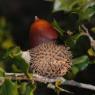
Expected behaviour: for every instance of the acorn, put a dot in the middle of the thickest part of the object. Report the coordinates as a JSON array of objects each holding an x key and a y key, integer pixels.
[
  {"x": 46, "y": 57},
  {"x": 41, "y": 31}
]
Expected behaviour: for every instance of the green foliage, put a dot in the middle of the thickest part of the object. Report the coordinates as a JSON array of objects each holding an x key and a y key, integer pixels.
[
  {"x": 22, "y": 88},
  {"x": 57, "y": 27},
  {"x": 30, "y": 89},
  {"x": 21, "y": 64},
  {"x": 27, "y": 89},
  {"x": 11, "y": 61},
  {"x": 9, "y": 51},
  {"x": 13, "y": 88},
  {"x": 72, "y": 41},
  {"x": 84, "y": 8},
  {"x": 9, "y": 88},
  {"x": 91, "y": 52},
  {"x": 2, "y": 72},
  {"x": 17, "y": 61},
  {"x": 79, "y": 64},
  {"x": 6, "y": 40}
]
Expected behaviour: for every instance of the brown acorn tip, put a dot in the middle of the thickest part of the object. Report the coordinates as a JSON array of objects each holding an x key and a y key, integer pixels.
[{"x": 50, "y": 60}]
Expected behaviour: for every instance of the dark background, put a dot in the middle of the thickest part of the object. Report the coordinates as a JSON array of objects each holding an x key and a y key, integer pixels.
[{"x": 21, "y": 13}]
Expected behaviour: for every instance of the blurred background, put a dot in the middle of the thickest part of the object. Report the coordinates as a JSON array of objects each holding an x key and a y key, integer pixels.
[{"x": 21, "y": 13}]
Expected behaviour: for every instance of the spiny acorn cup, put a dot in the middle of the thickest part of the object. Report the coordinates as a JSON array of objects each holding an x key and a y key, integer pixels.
[
  {"x": 50, "y": 60},
  {"x": 47, "y": 58}
]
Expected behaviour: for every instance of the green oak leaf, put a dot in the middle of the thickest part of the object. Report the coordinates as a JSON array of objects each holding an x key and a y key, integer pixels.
[
  {"x": 57, "y": 27},
  {"x": 84, "y": 8},
  {"x": 2, "y": 72},
  {"x": 9, "y": 88},
  {"x": 79, "y": 64},
  {"x": 30, "y": 89}
]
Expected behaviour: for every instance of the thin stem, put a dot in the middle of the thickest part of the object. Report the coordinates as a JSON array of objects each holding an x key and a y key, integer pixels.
[
  {"x": 86, "y": 32},
  {"x": 80, "y": 85}
]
